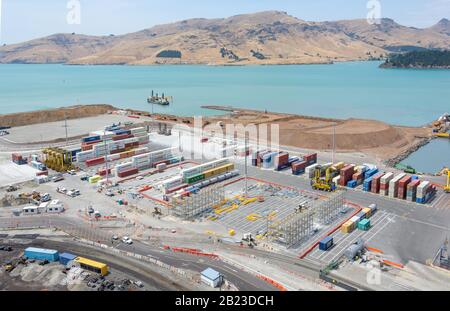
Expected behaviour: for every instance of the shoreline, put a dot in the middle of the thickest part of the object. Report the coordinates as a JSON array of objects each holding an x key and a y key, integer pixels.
[{"x": 388, "y": 143}]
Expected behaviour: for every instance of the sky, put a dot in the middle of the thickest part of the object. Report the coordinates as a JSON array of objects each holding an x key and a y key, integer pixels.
[{"x": 23, "y": 20}]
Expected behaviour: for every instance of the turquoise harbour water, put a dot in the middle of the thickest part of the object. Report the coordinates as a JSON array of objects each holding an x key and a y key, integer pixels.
[
  {"x": 432, "y": 157},
  {"x": 342, "y": 90}
]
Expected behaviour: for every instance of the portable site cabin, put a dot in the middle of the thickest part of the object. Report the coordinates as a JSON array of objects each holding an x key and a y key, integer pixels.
[{"x": 211, "y": 277}]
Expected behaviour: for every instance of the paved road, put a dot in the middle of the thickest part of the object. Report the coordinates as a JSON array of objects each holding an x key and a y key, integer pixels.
[{"x": 242, "y": 279}]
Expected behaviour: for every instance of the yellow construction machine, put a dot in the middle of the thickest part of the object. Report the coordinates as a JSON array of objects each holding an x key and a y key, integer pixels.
[
  {"x": 58, "y": 159},
  {"x": 447, "y": 187},
  {"x": 323, "y": 183}
]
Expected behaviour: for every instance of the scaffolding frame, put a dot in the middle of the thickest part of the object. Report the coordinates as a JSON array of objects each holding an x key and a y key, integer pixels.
[
  {"x": 197, "y": 204},
  {"x": 326, "y": 211},
  {"x": 293, "y": 228}
]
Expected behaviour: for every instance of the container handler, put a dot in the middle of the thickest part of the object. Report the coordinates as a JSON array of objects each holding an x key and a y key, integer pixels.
[{"x": 324, "y": 184}]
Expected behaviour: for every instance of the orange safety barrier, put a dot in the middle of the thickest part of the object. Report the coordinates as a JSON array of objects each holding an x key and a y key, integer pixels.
[
  {"x": 374, "y": 250},
  {"x": 394, "y": 264},
  {"x": 191, "y": 251},
  {"x": 272, "y": 282}
]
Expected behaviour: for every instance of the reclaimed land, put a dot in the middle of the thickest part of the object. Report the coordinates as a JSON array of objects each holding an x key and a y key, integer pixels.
[{"x": 385, "y": 142}]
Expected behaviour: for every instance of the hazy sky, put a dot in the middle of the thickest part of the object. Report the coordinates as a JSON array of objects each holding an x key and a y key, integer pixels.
[{"x": 26, "y": 19}]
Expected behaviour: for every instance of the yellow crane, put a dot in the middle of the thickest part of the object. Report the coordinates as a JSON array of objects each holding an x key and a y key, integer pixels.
[
  {"x": 447, "y": 187},
  {"x": 325, "y": 184}
]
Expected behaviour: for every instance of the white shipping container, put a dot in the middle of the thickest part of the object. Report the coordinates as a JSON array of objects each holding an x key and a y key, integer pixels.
[
  {"x": 387, "y": 178},
  {"x": 309, "y": 170},
  {"x": 422, "y": 189}
]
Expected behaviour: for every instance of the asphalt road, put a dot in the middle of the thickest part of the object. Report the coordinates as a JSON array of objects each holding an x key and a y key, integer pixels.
[{"x": 243, "y": 280}]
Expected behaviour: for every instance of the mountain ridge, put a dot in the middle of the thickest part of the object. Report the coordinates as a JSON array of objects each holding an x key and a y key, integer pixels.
[{"x": 270, "y": 37}]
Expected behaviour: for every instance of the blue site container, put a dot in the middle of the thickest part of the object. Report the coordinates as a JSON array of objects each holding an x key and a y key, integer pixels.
[
  {"x": 41, "y": 254},
  {"x": 65, "y": 258},
  {"x": 352, "y": 184},
  {"x": 414, "y": 177},
  {"x": 326, "y": 243}
]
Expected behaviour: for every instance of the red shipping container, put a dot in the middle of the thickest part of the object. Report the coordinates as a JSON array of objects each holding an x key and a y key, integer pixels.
[
  {"x": 86, "y": 148},
  {"x": 42, "y": 173},
  {"x": 96, "y": 161},
  {"x": 402, "y": 187},
  {"x": 131, "y": 171},
  {"x": 358, "y": 176},
  {"x": 102, "y": 172},
  {"x": 346, "y": 174},
  {"x": 16, "y": 157},
  {"x": 376, "y": 182},
  {"x": 310, "y": 158},
  {"x": 117, "y": 151}
]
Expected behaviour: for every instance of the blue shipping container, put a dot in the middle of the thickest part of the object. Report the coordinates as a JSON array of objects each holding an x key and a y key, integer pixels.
[
  {"x": 367, "y": 184},
  {"x": 90, "y": 138},
  {"x": 352, "y": 184},
  {"x": 41, "y": 254},
  {"x": 370, "y": 173},
  {"x": 65, "y": 258},
  {"x": 326, "y": 243}
]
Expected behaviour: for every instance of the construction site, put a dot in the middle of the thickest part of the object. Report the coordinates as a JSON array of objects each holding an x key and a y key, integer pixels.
[{"x": 140, "y": 184}]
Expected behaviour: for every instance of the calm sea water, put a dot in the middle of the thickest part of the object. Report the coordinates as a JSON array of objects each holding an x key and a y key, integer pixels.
[
  {"x": 432, "y": 157},
  {"x": 343, "y": 90},
  {"x": 358, "y": 89}
]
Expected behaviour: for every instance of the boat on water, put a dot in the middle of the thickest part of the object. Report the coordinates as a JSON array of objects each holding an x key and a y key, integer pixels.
[{"x": 159, "y": 100}]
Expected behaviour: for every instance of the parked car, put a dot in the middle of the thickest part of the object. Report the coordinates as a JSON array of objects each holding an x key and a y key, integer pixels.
[{"x": 127, "y": 240}]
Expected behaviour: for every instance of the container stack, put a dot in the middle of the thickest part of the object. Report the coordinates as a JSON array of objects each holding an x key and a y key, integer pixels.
[
  {"x": 423, "y": 191},
  {"x": 370, "y": 172},
  {"x": 298, "y": 167},
  {"x": 17, "y": 158},
  {"x": 269, "y": 160},
  {"x": 281, "y": 161},
  {"x": 393, "y": 185},
  {"x": 384, "y": 183},
  {"x": 358, "y": 177},
  {"x": 402, "y": 187},
  {"x": 411, "y": 192},
  {"x": 346, "y": 174},
  {"x": 310, "y": 159},
  {"x": 376, "y": 180},
  {"x": 367, "y": 186}
]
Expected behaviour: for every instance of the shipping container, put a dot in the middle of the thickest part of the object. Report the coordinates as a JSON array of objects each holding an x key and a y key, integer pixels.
[
  {"x": 368, "y": 212},
  {"x": 95, "y": 161},
  {"x": 41, "y": 254},
  {"x": 411, "y": 190},
  {"x": 364, "y": 225},
  {"x": 346, "y": 174},
  {"x": 370, "y": 173},
  {"x": 402, "y": 187},
  {"x": 352, "y": 183},
  {"x": 326, "y": 243},
  {"x": 309, "y": 170},
  {"x": 65, "y": 258},
  {"x": 310, "y": 158},
  {"x": 384, "y": 183},
  {"x": 128, "y": 172},
  {"x": 393, "y": 185},
  {"x": 367, "y": 186},
  {"x": 348, "y": 227},
  {"x": 376, "y": 179}
]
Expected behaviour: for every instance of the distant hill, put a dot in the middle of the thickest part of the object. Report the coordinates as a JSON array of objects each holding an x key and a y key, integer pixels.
[
  {"x": 262, "y": 38},
  {"x": 419, "y": 59}
]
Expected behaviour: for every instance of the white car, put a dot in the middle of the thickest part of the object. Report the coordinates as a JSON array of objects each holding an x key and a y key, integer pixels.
[{"x": 127, "y": 240}]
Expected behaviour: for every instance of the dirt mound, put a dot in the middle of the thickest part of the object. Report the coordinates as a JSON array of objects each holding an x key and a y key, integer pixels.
[{"x": 52, "y": 115}]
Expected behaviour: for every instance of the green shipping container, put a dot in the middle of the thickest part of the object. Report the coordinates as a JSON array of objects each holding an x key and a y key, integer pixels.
[
  {"x": 364, "y": 225},
  {"x": 195, "y": 178}
]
